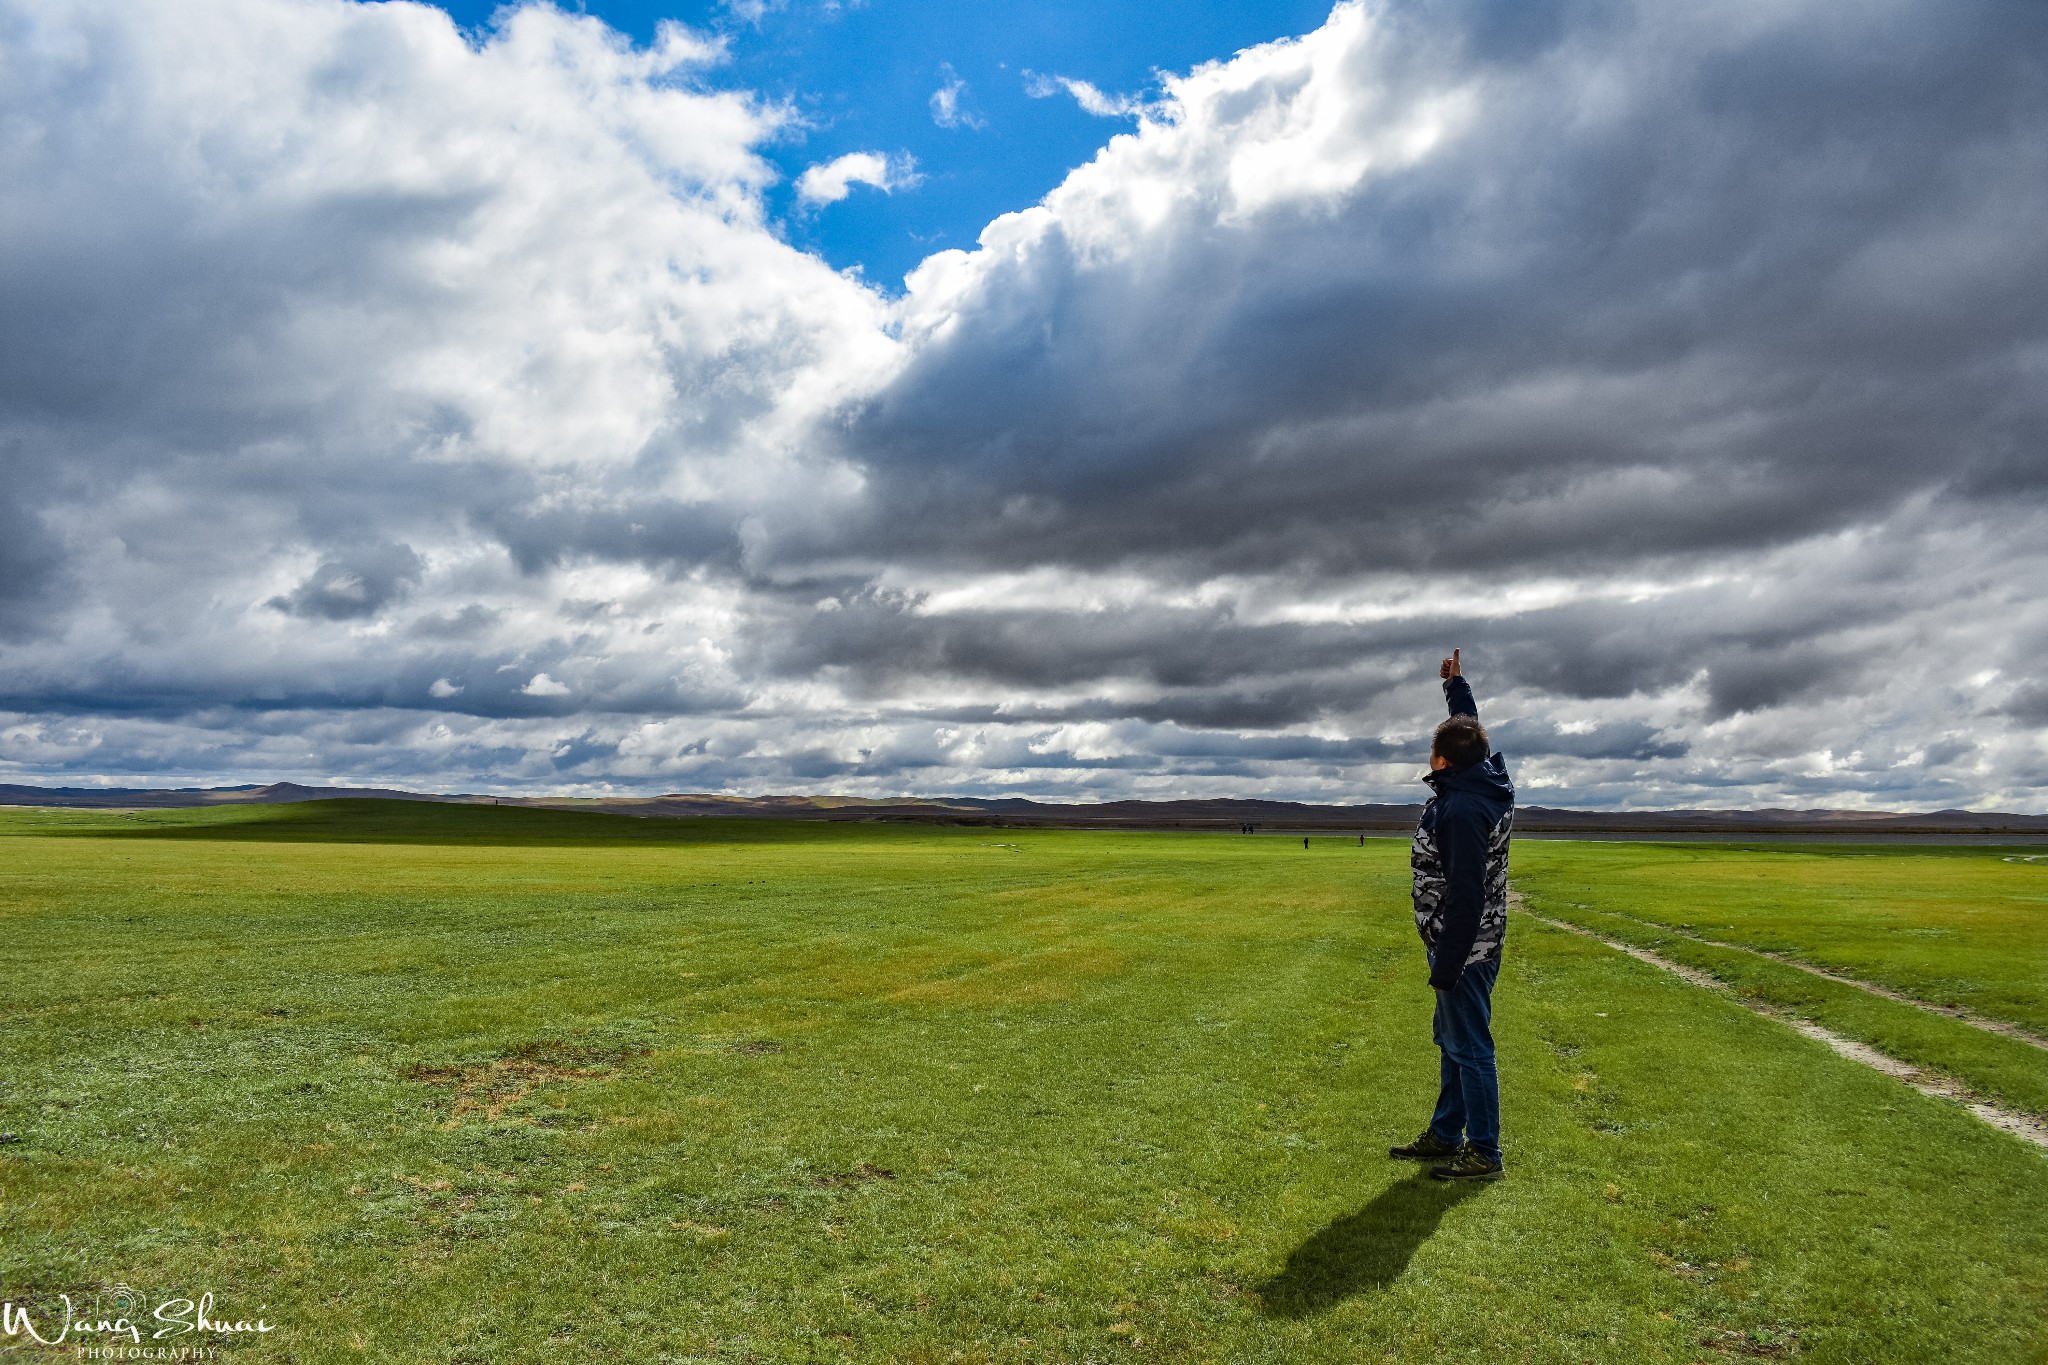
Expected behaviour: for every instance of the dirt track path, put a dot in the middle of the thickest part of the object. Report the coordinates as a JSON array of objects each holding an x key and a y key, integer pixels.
[{"x": 2027, "y": 1126}]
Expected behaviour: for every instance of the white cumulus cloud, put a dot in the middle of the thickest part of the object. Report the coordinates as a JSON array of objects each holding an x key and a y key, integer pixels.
[
  {"x": 1089, "y": 97},
  {"x": 828, "y": 182},
  {"x": 947, "y": 110}
]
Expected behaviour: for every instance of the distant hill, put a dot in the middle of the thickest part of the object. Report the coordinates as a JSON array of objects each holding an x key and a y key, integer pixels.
[
  {"x": 1206, "y": 814},
  {"x": 151, "y": 798}
]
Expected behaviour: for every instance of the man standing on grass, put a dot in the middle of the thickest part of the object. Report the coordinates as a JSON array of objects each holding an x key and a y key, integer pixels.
[{"x": 1461, "y": 907}]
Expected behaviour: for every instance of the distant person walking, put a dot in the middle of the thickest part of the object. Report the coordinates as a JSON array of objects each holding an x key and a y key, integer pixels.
[{"x": 1460, "y": 859}]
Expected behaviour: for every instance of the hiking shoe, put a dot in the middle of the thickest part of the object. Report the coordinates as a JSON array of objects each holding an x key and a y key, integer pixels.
[
  {"x": 1468, "y": 1165},
  {"x": 1424, "y": 1148}
]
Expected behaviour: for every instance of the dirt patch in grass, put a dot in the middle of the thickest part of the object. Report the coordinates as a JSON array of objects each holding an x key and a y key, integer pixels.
[
  {"x": 1757, "y": 1343},
  {"x": 491, "y": 1087}
]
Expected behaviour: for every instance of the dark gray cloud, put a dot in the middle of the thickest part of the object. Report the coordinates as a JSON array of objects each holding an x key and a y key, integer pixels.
[
  {"x": 1630, "y": 741},
  {"x": 465, "y": 623},
  {"x": 649, "y": 530},
  {"x": 884, "y": 640},
  {"x": 1702, "y": 280},
  {"x": 31, "y": 564},
  {"x": 378, "y": 406},
  {"x": 360, "y": 584},
  {"x": 2028, "y": 705}
]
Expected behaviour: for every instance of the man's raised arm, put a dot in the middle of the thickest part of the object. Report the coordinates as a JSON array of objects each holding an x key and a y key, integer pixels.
[{"x": 1457, "y": 692}]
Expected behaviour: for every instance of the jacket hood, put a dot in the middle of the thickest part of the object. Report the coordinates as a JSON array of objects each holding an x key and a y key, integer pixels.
[{"x": 1488, "y": 778}]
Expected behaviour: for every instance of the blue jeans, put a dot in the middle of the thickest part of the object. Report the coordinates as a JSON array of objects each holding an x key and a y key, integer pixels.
[{"x": 1468, "y": 1103}]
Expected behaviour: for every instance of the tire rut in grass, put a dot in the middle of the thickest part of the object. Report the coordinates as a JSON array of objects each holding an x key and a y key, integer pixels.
[
  {"x": 1959, "y": 1013},
  {"x": 2026, "y": 1126}
]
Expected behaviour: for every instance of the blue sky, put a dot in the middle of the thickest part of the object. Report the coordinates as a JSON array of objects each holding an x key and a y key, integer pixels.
[{"x": 863, "y": 75}]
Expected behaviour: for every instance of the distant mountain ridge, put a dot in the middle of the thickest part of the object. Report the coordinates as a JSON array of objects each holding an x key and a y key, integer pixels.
[
  {"x": 1215, "y": 813},
  {"x": 157, "y": 798}
]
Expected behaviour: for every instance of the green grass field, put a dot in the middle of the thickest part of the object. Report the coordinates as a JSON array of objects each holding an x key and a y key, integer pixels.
[{"x": 469, "y": 1084}]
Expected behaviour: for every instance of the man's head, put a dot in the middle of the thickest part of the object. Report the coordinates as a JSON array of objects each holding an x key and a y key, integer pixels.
[{"x": 1460, "y": 742}]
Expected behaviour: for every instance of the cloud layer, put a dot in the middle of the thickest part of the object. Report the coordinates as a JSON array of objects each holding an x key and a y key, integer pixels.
[{"x": 374, "y": 405}]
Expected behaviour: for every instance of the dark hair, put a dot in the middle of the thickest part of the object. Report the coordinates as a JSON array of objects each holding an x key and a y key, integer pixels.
[{"x": 1462, "y": 741}]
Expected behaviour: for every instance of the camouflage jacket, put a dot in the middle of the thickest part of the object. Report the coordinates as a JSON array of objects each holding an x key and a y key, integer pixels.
[{"x": 1460, "y": 859}]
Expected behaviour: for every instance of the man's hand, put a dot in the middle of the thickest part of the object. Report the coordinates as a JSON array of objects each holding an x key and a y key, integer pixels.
[{"x": 1450, "y": 667}]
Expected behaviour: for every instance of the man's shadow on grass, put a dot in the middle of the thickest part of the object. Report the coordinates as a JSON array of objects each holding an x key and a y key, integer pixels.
[{"x": 1364, "y": 1250}]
